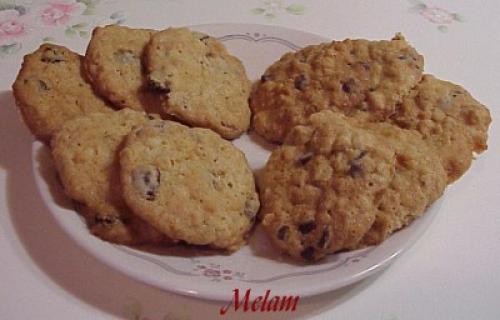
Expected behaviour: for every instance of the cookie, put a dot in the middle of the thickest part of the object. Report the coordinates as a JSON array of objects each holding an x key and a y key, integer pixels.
[
  {"x": 419, "y": 181},
  {"x": 113, "y": 63},
  {"x": 50, "y": 89},
  {"x": 355, "y": 77},
  {"x": 190, "y": 184},
  {"x": 202, "y": 84},
  {"x": 319, "y": 189},
  {"x": 449, "y": 119},
  {"x": 85, "y": 153}
]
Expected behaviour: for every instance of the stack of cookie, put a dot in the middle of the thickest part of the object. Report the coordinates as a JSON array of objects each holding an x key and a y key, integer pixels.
[
  {"x": 369, "y": 143},
  {"x": 116, "y": 121},
  {"x": 138, "y": 131}
]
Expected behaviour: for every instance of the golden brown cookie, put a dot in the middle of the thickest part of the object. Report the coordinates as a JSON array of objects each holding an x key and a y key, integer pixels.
[
  {"x": 355, "y": 77},
  {"x": 85, "y": 153},
  {"x": 319, "y": 189},
  {"x": 449, "y": 119},
  {"x": 189, "y": 183},
  {"x": 50, "y": 89},
  {"x": 113, "y": 62},
  {"x": 419, "y": 180},
  {"x": 202, "y": 84}
]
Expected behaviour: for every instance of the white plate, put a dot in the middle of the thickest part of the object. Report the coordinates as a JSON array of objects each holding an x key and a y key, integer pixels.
[{"x": 257, "y": 266}]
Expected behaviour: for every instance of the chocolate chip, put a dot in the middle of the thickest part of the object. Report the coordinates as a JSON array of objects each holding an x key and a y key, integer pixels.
[
  {"x": 356, "y": 170},
  {"x": 365, "y": 65},
  {"x": 304, "y": 159},
  {"x": 348, "y": 86},
  {"x": 403, "y": 57},
  {"x": 265, "y": 78},
  {"x": 42, "y": 85},
  {"x": 325, "y": 238},
  {"x": 308, "y": 253},
  {"x": 307, "y": 227},
  {"x": 159, "y": 87},
  {"x": 204, "y": 38},
  {"x": 301, "y": 82},
  {"x": 146, "y": 181},
  {"x": 283, "y": 232},
  {"x": 361, "y": 155}
]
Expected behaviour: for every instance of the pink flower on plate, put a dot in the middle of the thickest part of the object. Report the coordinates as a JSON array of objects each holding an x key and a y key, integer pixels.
[
  {"x": 11, "y": 26},
  {"x": 437, "y": 15},
  {"x": 59, "y": 12}
]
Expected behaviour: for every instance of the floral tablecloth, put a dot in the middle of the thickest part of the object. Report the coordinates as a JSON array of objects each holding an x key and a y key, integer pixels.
[{"x": 451, "y": 273}]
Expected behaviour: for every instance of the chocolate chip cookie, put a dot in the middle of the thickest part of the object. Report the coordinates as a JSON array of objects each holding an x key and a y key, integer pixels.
[
  {"x": 355, "y": 77},
  {"x": 189, "y": 183},
  {"x": 50, "y": 89},
  {"x": 319, "y": 190},
  {"x": 85, "y": 153},
  {"x": 200, "y": 82}
]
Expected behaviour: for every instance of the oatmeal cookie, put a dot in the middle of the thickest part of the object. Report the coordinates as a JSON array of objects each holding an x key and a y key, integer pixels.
[
  {"x": 189, "y": 183},
  {"x": 85, "y": 153},
  {"x": 319, "y": 190},
  {"x": 202, "y": 84},
  {"x": 449, "y": 119},
  {"x": 50, "y": 89},
  {"x": 419, "y": 181},
  {"x": 113, "y": 62},
  {"x": 355, "y": 77}
]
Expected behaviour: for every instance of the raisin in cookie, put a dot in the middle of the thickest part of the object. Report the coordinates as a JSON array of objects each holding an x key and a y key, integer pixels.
[
  {"x": 449, "y": 119},
  {"x": 355, "y": 77},
  {"x": 419, "y": 180},
  {"x": 319, "y": 190},
  {"x": 189, "y": 183},
  {"x": 50, "y": 89},
  {"x": 202, "y": 84},
  {"x": 85, "y": 153},
  {"x": 113, "y": 63}
]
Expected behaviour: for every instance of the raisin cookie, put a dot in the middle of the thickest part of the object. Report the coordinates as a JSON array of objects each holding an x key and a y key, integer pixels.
[
  {"x": 113, "y": 62},
  {"x": 355, "y": 77},
  {"x": 449, "y": 119},
  {"x": 50, "y": 89},
  {"x": 85, "y": 153},
  {"x": 419, "y": 181},
  {"x": 202, "y": 84},
  {"x": 319, "y": 189},
  {"x": 189, "y": 183}
]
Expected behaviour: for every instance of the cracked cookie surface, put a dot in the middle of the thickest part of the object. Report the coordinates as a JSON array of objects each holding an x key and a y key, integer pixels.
[
  {"x": 113, "y": 62},
  {"x": 50, "y": 89},
  {"x": 189, "y": 183},
  {"x": 200, "y": 82},
  {"x": 355, "y": 77},
  {"x": 85, "y": 153}
]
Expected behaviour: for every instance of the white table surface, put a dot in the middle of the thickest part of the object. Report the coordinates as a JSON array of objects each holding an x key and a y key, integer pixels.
[{"x": 452, "y": 272}]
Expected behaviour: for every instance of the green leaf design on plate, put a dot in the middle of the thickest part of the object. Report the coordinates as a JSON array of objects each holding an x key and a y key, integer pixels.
[
  {"x": 10, "y": 48},
  {"x": 458, "y": 17},
  {"x": 269, "y": 15},
  {"x": 84, "y": 34},
  {"x": 118, "y": 15},
  {"x": 70, "y": 32},
  {"x": 258, "y": 10},
  {"x": 443, "y": 28},
  {"x": 120, "y": 21},
  {"x": 296, "y": 9},
  {"x": 80, "y": 26},
  {"x": 48, "y": 39}
]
